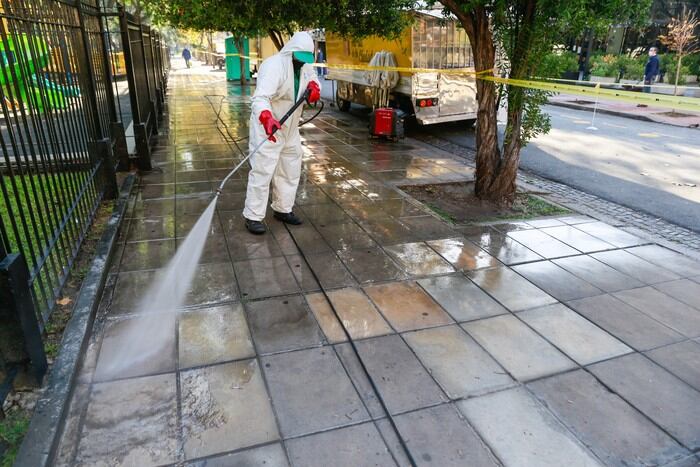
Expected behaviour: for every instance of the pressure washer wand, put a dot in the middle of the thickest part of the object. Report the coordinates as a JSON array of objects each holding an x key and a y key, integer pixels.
[{"x": 286, "y": 116}]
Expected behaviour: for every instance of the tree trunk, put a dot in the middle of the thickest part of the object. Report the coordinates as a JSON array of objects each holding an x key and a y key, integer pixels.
[
  {"x": 276, "y": 38},
  {"x": 678, "y": 72}
]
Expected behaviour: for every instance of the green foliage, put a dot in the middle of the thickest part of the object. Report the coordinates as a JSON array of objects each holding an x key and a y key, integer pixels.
[
  {"x": 604, "y": 66},
  {"x": 693, "y": 63},
  {"x": 355, "y": 18},
  {"x": 12, "y": 430},
  {"x": 555, "y": 64},
  {"x": 631, "y": 68}
]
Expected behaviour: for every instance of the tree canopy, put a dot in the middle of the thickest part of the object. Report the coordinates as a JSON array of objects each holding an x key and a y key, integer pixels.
[{"x": 355, "y": 18}]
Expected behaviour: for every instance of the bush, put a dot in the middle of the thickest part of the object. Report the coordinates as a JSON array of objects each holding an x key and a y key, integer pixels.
[
  {"x": 631, "y": 68},
  {"x": 693, "y": 63},
  {"x": 555, "y": 64},
  {"x": 604, "y": 65},
  {"x": 670, "y": 76}
]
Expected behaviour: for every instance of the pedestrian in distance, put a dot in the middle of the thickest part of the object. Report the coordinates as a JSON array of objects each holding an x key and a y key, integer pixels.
[
  {"x": 187, "y": 55},
  {"x": 282, "y": 80},
  {"x": 651, "y": 70}
]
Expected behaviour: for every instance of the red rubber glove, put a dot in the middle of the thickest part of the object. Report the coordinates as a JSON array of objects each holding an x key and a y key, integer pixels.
[
  {"x": 270, "y": 124},
  {"x": 315, "y": 93}
]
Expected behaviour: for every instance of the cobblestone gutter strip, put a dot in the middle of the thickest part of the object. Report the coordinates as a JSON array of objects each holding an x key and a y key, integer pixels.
[
  {"x": 39, "y": 443},
  {"x": 656, "y": 229}
]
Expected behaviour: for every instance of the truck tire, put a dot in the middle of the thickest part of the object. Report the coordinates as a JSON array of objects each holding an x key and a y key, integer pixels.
[{"x": 342, "y": 104}]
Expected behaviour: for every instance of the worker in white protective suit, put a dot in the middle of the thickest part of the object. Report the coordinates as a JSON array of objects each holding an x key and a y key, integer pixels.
[{"x": 282, "y": 80}]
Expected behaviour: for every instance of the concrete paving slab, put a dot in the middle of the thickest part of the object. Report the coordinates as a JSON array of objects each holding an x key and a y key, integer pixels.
[
  {"x": 309, "y": 240},
  {"x": 213, "y": 283},
  {"x": 578, "y": 239},
  {"x": 346, "y": 236},
  {"x": 511, "y": 289},
  {"x": 440, "y": 436},
  {"x": 507, "y": 250},
  {"x": 401, "y": 379},
  {"x": 428, "y": 228},
  {"x": 267, "y": 277},
  {"x": 547, "y": 222},
  {"x": 517, "y": 348},
  {"x": 556, "y": 281},
  {"x": 213, "y": 335},
  {"x": 358, "y": 314},
  {"x": 359, "y": 380},
  {"x": 616, "y": 432},
  {"x": 406, "y": 306},
  {"x": 216, "y": 249},
  {"x": 521, "y": 432},
  {"x": 463, "y": 300},
  {"x": 597, "y": 273},
  {"x": 668, "y": 259},
  {"x": 457, "y": 363},
  {"x": 330, "y": 270},
  {"x": 681, "y": 359},
  {"x": 628, "y": 324},
  {"x": 345, "y": 447},
  {"x": 129, "y": 290},
  {"x": 542, "y": 244},
  {"x": 371, "y": 265},
  {"x": 147, "y": 255},
  {"x": 118, "y": 334},
  {"x": 243, "y": 246},
  {"x": 636, "y": 267},
  {"x": 389, "y": 231},
  {"x": 391, "y": 439},
  {"x": 151, "y": 228},
  {"x": 311, "y": 392},
  {"x": 215, "y": 399},
  {"x": 463, "y": 254},
  {"x": 581, "y": 340},
  {"x": 325, "y": 214},
  {"x": 417, "y": 259},
  {"x": 669, "y": 311},
  {"x": 302, "y": 273},
  {"x": 684, "y": 290},
  {"x": 131, "y": 422},
  {"x": 279, "y": 324},
  {"x": 330, "y": 325},
  {"x": 272, "y": 455},
  {"x": 662, "y": 397}
]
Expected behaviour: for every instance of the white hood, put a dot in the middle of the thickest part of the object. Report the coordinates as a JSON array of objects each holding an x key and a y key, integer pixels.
[{"x": 300, "y": 42}]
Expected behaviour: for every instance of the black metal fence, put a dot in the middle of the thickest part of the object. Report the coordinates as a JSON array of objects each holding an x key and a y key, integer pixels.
[
  {"x": 147, "y": 63},
  {"x": 60, "y": 139}
]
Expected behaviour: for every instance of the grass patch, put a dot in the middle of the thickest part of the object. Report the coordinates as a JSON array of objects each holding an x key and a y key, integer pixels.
[
  {"x": 456, "y": 203},
  {"x": 527, "y": 206},
  {"x": 12, "y": 430}
]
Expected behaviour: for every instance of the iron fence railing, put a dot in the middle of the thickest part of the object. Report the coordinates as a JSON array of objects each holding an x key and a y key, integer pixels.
[
  {"x": 61, "y": 134},
  {"x": 147, "y": 64}
]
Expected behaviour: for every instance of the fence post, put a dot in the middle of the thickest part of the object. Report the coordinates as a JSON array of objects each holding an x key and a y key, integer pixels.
[
  {"x": 99, "y": 135},
  {"x": 151, "y": 99},
  {"x": 116, "y": 128},
  {"x": 21, "y": 341},
  {"x": 140, "y": 132}
]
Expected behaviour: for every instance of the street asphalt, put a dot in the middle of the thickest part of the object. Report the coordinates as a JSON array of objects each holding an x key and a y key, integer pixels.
[{"x": 645, "y": 166}]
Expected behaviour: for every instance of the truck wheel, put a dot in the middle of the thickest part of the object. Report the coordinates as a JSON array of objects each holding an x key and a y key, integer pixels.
[{"x": 342, "y": 104}]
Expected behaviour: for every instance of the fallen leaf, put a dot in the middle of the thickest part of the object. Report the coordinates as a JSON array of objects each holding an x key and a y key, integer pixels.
[{"x": 64, "y": 301}]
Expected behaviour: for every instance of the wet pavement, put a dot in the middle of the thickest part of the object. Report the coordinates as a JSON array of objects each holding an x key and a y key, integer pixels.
[{"x": 550, "y": 342}]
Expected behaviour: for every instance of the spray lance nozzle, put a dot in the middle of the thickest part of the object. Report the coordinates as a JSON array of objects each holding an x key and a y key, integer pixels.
[{"x": 304, "y": 98}]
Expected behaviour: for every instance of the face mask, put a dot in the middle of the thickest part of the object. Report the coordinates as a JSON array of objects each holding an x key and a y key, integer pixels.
[{"x": 303, "y": 57}]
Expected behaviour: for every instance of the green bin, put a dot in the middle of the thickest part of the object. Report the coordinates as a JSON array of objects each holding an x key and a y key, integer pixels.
[{"x": 233, "y": 63}]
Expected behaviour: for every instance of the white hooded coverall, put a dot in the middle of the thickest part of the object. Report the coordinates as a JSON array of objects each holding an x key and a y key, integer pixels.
[{"x": 277, "y": 162}]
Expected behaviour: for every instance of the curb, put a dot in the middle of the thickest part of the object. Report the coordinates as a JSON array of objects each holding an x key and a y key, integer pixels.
[
  {"x": 644, "y": 118},
  {"x": 45, "y": 429}
]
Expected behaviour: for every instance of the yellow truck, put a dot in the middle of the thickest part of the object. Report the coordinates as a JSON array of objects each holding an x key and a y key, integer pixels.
[{"x": 432, "y": 42}]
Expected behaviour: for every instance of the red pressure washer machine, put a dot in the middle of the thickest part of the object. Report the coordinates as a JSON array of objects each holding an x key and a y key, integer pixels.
[{"x": 387, "y": 122}]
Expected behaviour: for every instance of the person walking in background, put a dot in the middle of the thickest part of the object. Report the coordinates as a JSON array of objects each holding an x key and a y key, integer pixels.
[
  {"x": 187, "y": 55},
  {"x": 651, "y": 70}
]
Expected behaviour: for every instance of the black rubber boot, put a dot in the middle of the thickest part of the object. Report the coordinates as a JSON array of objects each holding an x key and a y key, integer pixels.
[
  {"x": 287, "y": 218},
  {"x": 255, "y": 227}
]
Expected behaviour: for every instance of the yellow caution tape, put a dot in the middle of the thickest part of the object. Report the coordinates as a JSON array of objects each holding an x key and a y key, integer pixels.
[
  {"x": 553, "y": 85},
  {"x": 657, "y": 100}
]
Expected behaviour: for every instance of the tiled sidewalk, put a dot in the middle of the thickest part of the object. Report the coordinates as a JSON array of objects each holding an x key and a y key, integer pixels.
[{"x": 547, "y": 343}]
